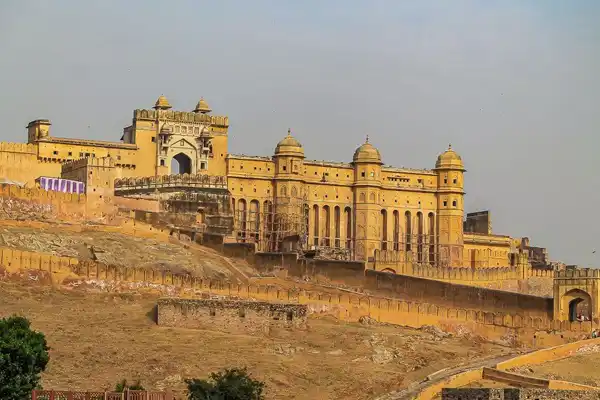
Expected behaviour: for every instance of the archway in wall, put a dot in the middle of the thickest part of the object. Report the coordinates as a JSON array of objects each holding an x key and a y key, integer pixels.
[
  {"x": 181, "y": 164},
  {"x": 388, "y": 270},
  {"x": 576, "y": 303}
]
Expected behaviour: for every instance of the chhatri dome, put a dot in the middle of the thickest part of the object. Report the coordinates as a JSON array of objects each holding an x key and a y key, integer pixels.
[
  {"x": 449, "y": 159},
  {"x": 202, "y": 107},
  {"x": 367, "y": 153},
  {"x": 162, "y": 103},
  {"x": 289, "y": 146}
]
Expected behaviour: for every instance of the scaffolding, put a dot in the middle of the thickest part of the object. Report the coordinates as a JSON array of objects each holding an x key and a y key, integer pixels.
[{"x": 279, "y": 226}]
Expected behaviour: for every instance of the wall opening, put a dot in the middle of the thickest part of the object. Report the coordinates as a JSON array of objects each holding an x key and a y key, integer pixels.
[
  {"x": 181, "y": 164},
  {"x": 576, "y": 306}
]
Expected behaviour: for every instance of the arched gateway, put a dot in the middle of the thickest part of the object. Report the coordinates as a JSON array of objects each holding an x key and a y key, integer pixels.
[{"x": 576, "y": 294}]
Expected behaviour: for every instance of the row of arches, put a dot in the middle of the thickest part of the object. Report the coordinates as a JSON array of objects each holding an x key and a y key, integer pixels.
[{"x": 334, "y": 226}]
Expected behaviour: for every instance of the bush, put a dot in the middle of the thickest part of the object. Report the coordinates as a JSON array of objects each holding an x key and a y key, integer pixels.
[
  {"x": 123, "y": 385},
  {"x": 230, "y": 384},
  {"x": 23, "y": 357}
]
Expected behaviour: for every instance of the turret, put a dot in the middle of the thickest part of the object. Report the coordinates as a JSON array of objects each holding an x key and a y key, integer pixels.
[
  {"x": 367, "y": 186},
  {"x": 288, "y": 157},
  {"x": 38, "y": 129},
  {"x": 450, "y": 170}
]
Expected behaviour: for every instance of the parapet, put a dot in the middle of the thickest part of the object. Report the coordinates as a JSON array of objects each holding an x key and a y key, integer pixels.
[
  {"x": 9, "y": 147},
  {"x": 516, "y": 394},
  {"x": 578, "y": 273},
  {"x": 198, "y": 180},
  {"x": 182, "y": 116},
  {"x": 101, "y": 162}
]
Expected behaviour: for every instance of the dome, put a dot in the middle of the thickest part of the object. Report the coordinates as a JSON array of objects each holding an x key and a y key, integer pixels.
[
  {"x": 289, "y": 146},
  {"x": 202, "y": 107},
  {"x": 449, "y": 160},
  {"x": 367, "y": 153},
  {"x": 162, "y": 103}
]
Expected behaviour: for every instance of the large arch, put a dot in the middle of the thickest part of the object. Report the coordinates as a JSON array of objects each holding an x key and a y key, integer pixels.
[
  {"x": 575, "y": 303},
  {"x": 181, "y": 163}
]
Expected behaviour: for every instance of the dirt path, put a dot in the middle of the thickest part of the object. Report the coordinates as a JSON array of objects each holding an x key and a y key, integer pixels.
[{"x": 414, "y": 389}]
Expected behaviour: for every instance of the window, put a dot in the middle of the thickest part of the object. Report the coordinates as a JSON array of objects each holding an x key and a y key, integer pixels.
[
  {"x": 362, "y": 174},
  {"x": 445, "y": 203},
  {"x": 454, "y": 203},
  {"x": 445, "y": 180},
  {"x": 285, "y": 168},
  {"x": 162, "y": 163},
  {"x": 55, "y": 152},
  {"x": 202, "y": 165},
  {"x": 70, "y": 153},
  {"x": 454, "y": 181},
  {"x": 81, "y": 155},
  {"x": 87, "y": 154},
  {"x": 118, "y": 157}
]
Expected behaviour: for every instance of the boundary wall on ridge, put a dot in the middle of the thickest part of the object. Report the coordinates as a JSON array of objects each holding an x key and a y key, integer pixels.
[
  {"x": 346, "y": 306},
  {"x": 33, "y": 203}
]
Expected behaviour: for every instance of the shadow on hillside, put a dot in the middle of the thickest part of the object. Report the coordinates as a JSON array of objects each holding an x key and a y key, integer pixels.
[{"x": 153, "y": 314}]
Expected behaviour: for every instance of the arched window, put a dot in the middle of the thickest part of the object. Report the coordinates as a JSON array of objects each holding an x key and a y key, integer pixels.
[
  {"x": 316, "y": 225},
  {"x": 348, "y": 215},
  {"x": 408, "y": 230},
  {"x": 383, "y": 229},
  {"x": 336, "y": 224},
  {"x": 396, "y": 230},
  {"x": 327, "y": 222},
  {"x": 420, "y": 237},
  {"x": 431, "y": 239}
]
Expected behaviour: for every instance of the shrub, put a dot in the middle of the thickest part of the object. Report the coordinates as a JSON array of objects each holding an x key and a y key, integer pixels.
[
  {"x": 23, "y": 357},
  {"x": 123, "y": 385},
  {"x": 229, "y": 384}
]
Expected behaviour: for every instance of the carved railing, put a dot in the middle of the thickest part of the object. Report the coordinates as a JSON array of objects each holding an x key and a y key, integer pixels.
[{"x": 171, "y": 181}]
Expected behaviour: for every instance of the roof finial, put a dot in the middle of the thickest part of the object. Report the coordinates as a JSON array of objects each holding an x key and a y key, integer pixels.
[
  {"x": 289, "y": 132},
  {"x": 367, "y": 140},
  {"x": 449, "y": 146}
]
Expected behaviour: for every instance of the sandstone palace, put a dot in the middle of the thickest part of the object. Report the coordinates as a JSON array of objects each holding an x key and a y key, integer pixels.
[{"x": 391, "y": 218}]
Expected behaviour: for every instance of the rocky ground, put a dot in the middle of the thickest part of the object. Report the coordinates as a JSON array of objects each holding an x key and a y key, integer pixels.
[
  {"x": 117, "y": 249},
  {"x": 97, "y": 339}
]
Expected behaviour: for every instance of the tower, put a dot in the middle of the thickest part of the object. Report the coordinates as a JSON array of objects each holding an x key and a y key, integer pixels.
[
  {"x": 288, "y": 208},
  {"x": 367, "y": 187},
  {"x": 450, "y": 204},
  {"x": 38, "y": 129}
]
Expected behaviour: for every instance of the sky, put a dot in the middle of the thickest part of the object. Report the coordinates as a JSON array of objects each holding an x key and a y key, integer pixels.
[{"x": 514, "y": 85}]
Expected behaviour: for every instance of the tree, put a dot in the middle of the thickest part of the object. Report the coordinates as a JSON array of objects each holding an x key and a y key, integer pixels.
[
  {"x": 229, "y": 384},
  {"x": 23, "y": 357},
  {"x": 123, "y": 385}
]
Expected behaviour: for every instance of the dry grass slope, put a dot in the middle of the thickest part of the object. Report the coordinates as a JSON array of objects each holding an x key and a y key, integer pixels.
[{"x": 98, "y": 338}]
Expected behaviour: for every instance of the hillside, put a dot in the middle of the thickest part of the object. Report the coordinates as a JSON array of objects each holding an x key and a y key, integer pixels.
[
  {"x": 120, "y": 249},
  {"x": 97, "y": 339}
]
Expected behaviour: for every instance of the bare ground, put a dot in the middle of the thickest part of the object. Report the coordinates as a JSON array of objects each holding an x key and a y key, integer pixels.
[{"x": 97, "y": 339}]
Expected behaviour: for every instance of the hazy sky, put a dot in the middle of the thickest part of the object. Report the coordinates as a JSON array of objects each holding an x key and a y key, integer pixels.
[{"x": 513, "y": 85}]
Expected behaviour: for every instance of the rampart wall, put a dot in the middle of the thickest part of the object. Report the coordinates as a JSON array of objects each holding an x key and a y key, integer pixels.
[
  {"x": 227, "y": 315},
  {"x": 19, "y": 162},
  {"x": 517, "y": 394},
  {"x": 34, "y": 203},
  {"x": 345, "y": 306}
]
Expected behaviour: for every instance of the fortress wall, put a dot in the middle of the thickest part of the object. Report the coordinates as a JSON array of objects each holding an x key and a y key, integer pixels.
[
  {"x": 34, "y": 203},
  {"x": 143, "y": 205},
  {"x": 228, "y": 315},
  {"x": 460, "y": 296},
  {"x": 19, "y": 162},
  {"x": 530, "y": 329}
]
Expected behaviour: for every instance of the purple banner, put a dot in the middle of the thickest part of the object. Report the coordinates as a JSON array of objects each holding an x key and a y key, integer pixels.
[{"x": 61, "y": 185}]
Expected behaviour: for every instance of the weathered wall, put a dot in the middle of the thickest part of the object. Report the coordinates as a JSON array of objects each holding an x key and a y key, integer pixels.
[
  {"x": 227, "y": 315},
  {"x": 537, "y": 331},
  {"x": 19, "y": 162},
  {"x": 516, "y": 394},
  {"x": 142, "y": 205},
  {"x": 25, "y": 203},
  {"x": 457, "y": 296}
]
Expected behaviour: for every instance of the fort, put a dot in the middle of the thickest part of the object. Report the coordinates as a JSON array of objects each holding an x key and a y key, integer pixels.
[{"x": 348, "y": 240}]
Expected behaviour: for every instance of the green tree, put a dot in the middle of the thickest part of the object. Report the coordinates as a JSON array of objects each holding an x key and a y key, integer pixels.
[
  {"x": 230, "y": 384},
  {"x": 123, "y": 385},
  {"x": 23, "y": 357}
]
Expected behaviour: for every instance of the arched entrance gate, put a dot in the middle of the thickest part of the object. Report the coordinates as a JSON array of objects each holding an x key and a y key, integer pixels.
[{"x": 576, "y": 295}]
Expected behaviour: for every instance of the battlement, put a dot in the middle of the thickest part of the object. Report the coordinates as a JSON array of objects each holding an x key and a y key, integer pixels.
[
  {"x": 89, "y": 142},
  {"x": 334, "y": 164},
  {"x": 165, "y": 181},
  {"x": 182, "y": 116},
  {"x": 18, "y": 148},
  {"x": 245, "y": 157},
  {"x": 390, "y": 168},
  {"x": 578, "y": 273},
  {"x": 103, "y": 162}
]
